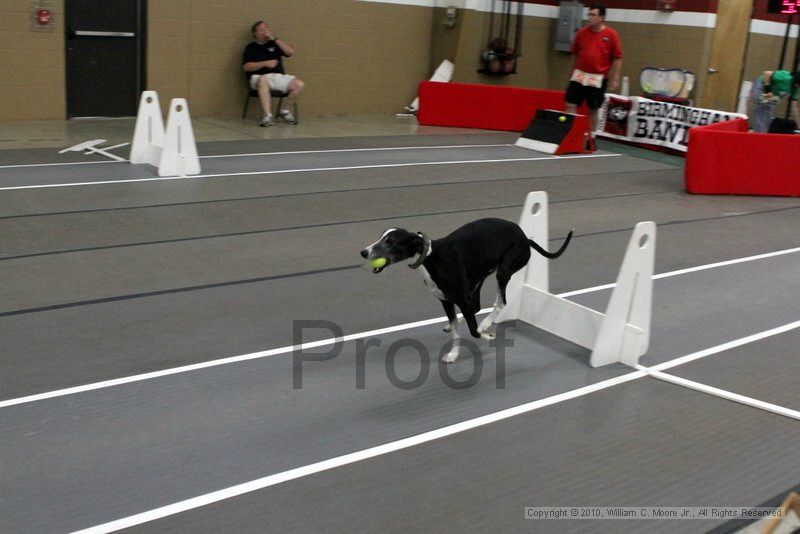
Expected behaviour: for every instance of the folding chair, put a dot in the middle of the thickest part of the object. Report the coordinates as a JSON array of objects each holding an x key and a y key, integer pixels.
[{"x": 273, "y": 93}]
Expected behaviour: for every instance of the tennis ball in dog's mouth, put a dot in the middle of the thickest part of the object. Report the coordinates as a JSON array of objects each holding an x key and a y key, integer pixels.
[
  {"x": 562, "y": 118},
  {"x": 377, "y": 263}
]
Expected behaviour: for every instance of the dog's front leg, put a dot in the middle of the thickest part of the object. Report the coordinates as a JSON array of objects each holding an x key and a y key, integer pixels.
[
  {"x": 450, "y": 310},
  {"x": 472, "y": 323}
]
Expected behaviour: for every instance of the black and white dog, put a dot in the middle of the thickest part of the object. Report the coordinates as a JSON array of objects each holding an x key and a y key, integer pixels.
[{"x": 455, "y": 267}]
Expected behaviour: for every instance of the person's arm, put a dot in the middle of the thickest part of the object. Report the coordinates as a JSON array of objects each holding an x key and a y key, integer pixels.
[
  {"x": 615, "y": 72},
  {"x": 574, "y": 49},
  {"x": 796, "y": 112},
  {"x": 252, "y": 66},
  {"x": 614, "y": 75},
  {"x": 288, "y": 49},
  {"x": 767, "y": 81}
]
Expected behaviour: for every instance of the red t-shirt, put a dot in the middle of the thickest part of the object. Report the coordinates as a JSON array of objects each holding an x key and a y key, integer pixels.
[{"x": 596, "y": 50}]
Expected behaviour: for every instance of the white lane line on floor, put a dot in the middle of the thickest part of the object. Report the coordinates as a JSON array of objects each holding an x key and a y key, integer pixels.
[
  {"x": 290, "y": 171},
  {"x": 727, "y": 346},
  {"x": 722, "y": 393},
  {"x": 372, "y": 149},
  {"x": 358, "y": 456},
  {"x": 215, "y": 363},
  {"x": 373, "y": 333},
  {"x": 288, "y": 152},
  {"x": 333, "y": 463},
  {"x": 689, "y": 270},
  {"x": 28, "y": 165}
]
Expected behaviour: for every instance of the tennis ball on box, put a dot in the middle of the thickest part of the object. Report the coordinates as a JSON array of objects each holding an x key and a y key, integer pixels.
[{"x": 377, "y": 263}]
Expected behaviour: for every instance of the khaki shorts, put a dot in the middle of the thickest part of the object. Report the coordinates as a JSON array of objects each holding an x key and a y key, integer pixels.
[{"x": 279, "y": 82}]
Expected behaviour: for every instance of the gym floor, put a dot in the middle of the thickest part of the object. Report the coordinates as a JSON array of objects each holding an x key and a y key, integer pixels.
[{"x": 148, "y": 382}]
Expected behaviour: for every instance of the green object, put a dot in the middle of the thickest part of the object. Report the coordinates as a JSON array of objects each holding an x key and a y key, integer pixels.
[
  {"x": 377, "y": 263},
  {"x": 562, "y": 118},
  {"x": 781, "y": 84}
]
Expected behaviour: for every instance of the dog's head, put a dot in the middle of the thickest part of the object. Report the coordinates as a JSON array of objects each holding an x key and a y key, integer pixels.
[{"x": 394, "y": 245}]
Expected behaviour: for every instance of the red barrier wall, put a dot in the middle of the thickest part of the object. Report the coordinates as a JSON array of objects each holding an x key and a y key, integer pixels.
[
  {"x": 724, "y": 159},
  {"x": 490, "y": 107}
]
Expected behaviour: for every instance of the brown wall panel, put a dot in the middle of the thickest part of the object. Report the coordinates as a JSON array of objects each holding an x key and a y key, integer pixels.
[{"x": 356, "y": 57}]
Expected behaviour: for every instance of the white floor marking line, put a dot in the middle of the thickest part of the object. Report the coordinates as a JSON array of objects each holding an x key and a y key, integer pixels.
[
  {"x": 727, "y": 346},
  {"x": 689, "y": 270},
  {"x": 325, "y": 465},
  {"x": 290, "y": 171},
  {"x": 278, "y": 478},
  {"x": 56, "y": 164},
  {"x": 398, "y": 328},
  {"x": 358, "y": 456},
  {"x": 215, "y": 363},
  {"x": 372, "y": 149},
  {"x": 722, "y": 393},
  {"x": 266, "y": 153}
]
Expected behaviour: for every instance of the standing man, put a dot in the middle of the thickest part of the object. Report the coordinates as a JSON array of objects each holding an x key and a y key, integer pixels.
[
  {"x": 263, "y": 67},
  {"x": 766, "y": 94},
  {"x": 597, "y": 52}
]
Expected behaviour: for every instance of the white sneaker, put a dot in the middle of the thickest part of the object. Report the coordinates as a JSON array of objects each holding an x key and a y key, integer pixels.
[
  {"x": 266, "y": 120},
  {"x": 288, "y": 116}
]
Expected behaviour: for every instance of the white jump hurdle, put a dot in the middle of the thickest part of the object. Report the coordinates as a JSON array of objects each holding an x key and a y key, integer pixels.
[
  {"x": 173, "y": 150},
  {"x": 622, "y": 334}
]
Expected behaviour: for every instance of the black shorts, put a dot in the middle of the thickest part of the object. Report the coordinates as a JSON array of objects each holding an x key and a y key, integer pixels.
[{"x": 594, "y": 96}]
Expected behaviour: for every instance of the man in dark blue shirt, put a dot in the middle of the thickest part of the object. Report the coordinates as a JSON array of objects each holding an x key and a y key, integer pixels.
[{"x": 261, "y": 61}]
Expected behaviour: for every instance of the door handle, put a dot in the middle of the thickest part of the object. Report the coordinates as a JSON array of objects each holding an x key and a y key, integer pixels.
[
  {"x": 712, "y": 70},
  {"x": 83, "y": 33}
]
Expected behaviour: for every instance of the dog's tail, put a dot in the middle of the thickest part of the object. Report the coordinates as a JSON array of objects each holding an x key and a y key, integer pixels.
[{"x": 555, "y": 254}]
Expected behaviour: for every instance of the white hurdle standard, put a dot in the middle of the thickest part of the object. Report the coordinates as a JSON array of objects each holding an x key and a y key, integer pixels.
[
  {"x": 173, "y": 150},
  {"x": 622, "y": 334}
]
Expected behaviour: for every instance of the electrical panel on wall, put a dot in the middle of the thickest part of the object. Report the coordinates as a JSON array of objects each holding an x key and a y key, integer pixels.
[{"x": 570, "y": 17}]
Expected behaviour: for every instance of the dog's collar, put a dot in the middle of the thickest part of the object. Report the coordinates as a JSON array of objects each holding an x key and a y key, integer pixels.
[{"x": 426, "y": 251}]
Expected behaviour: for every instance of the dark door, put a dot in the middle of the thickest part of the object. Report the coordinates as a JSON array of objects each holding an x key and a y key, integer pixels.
[{"x": 105, "y": 57}]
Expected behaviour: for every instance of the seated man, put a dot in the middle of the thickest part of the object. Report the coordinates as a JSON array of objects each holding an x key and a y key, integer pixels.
[{"x": 264, "y": 71}]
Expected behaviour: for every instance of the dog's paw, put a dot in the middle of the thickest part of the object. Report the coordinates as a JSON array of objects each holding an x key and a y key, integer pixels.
[
  {"x": 475, "y": 334},
  {"x": 450, "y": 357},
  {"x": 447, "y": 329},
  {"x": 488, "y": 335}
]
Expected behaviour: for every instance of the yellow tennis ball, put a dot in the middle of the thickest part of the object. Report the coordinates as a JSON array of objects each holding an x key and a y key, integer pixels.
[
  {"x": 377, "y": 263},
  {"x": 562, "y": 118}
]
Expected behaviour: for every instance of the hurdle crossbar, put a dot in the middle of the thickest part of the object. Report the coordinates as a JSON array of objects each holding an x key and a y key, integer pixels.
[{"x": 622, "y": 333}]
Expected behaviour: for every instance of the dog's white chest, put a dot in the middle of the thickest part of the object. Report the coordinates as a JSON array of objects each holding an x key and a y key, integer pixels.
[{"x": 430, "y": 284}]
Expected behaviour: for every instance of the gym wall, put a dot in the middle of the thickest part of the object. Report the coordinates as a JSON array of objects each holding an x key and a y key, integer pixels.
[
  {"x": 357, "y": 57},
  {"x": 32, "y": 76}
]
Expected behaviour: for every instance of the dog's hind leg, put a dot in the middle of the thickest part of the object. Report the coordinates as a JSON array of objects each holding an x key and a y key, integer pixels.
[
  {"x": 450, "y": 310},
  {"x": 510, "y": 264},
  {"x": 486, "y": 324}
]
